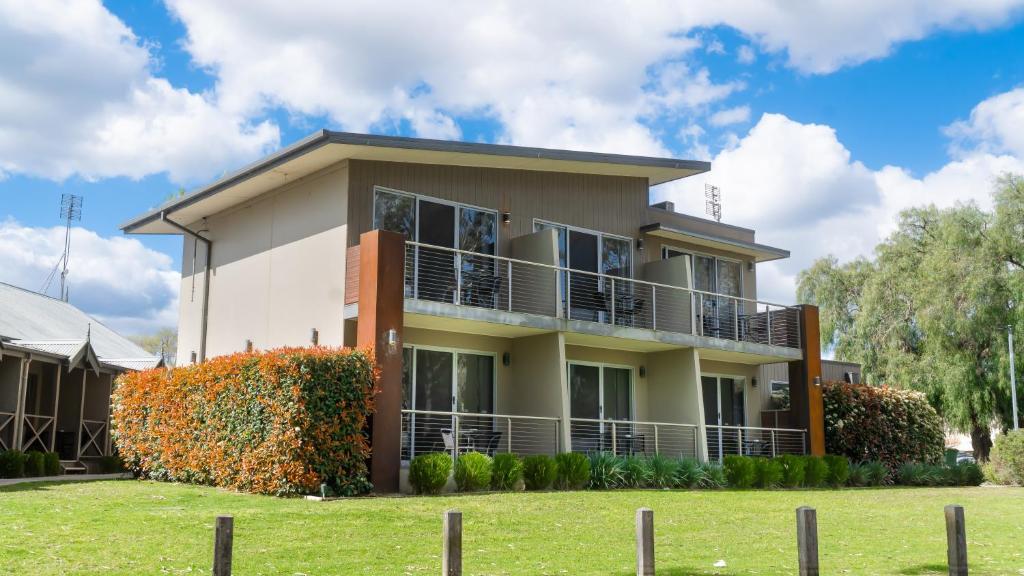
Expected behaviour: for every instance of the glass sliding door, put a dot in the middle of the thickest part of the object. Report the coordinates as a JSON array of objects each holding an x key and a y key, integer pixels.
[
  {"x": 480, "y": 280},
  {"x": 724, "y": 406},
  {"x": 436, "y": 268},
  {"x": 728, "y": 281},
  {"x": 585, "y": 300},
  {"x": 598, "y": 394},
  {"x": 395, "y": 212}
]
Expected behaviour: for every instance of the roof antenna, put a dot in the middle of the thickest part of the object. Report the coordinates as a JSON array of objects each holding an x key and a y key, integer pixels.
[
  {"x": 70, "y": 211},
  {"x": 713, "y": 201}
]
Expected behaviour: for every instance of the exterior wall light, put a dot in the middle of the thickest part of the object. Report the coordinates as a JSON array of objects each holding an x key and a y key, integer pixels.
[
  {"x": 506, "y": 359},
  {"x": 640, "y": 244},
  {"x": 314, "y": 337},
  {"x": 391, "y": 340},
  {"x": 506, "y": 217},
  {"x": 753, "y": 382},
  {"x": 817, "y": 380},
  {"x": 643, "y": 372}
]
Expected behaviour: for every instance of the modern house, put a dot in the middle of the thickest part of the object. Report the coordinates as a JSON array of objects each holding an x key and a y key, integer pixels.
[
  {"x": 773, "y": 379},
  {"x": 57, "y": 368},
  {"x": 517, "y": 299}
]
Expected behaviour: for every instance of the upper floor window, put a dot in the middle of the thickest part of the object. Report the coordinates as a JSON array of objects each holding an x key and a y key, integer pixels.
[
  {"x": 711, "y": 274},
  {"x": 435, "y": 221},
  {"x": 591, "y": 251}
]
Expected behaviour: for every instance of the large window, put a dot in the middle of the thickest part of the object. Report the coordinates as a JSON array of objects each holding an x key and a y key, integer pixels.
[
  {"x": 586, "y": 296},
  {"x": 599, "y": 393},
  {"x": 437, "y": 273},
  {"x": 716, "y": 276},
  {"x": 779, "y": 398}
]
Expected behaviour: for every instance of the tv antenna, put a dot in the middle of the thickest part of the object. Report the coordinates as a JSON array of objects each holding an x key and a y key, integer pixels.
[
  {"x": 70, "y": 211},
  {"x": 713, "y": 201}
]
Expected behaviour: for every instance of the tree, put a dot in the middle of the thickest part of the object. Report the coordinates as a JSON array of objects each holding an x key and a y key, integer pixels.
[
  {"x": 163, "y": 343},
  {"x": 930, "y": 311}
]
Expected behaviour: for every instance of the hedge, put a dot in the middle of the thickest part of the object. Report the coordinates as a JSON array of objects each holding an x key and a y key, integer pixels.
[
  {"x": 1007, "y": 458},
  {"x": 881, "y": 423},
  {"x": 277, "y": 422}
]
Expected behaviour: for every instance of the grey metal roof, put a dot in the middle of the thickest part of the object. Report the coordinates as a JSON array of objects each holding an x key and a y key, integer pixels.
[
  {"x": 679, "y": 167},
  {"x": 32, "y": 320},
  {"x": 762, "y": 252}
]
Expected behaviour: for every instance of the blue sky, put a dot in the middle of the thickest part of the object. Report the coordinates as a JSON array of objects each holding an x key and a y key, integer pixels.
[{"x": 820, "y": 112}]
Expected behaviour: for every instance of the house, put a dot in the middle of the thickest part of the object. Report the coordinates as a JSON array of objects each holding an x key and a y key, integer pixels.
[
  {"x": 57, "y": 368},
  {"x": 517, "y": 299}
]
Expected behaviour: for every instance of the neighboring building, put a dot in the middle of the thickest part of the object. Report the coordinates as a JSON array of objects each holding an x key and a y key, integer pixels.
[
  {"x": 517, "y": 299},
  {"x": 773, "y": 383},
  {"x": 57, "y": 367}
]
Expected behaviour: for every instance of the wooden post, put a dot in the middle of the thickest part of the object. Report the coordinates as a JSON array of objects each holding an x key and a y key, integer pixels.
[
  {"x": 222, "y": 544},
  {"x": 956, "y": 540},
  {"x": 56, "y": 408},
  {"x": 807, "y": 540},
  {"x": 644, "y": 542},
  {"x": 451, "y": 557}
]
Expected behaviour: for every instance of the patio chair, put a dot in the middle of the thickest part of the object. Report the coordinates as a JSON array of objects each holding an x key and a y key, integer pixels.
[{"x": 489, "y": 442}]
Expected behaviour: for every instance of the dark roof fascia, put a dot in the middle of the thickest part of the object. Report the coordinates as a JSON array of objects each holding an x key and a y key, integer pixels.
[{"x": 778, "y": 253}]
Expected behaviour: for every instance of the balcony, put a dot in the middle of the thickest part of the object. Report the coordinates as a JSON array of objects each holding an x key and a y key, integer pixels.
[{"x": 439, "y": 275}]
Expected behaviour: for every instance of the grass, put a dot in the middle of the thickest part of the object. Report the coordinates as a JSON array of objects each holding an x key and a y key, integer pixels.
[{"x": 131, "y": 527}]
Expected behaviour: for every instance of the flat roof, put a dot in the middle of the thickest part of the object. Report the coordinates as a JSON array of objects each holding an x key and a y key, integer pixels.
[
  {"x": 326, "y": 147},
  {"x": 759, "y": 252}
]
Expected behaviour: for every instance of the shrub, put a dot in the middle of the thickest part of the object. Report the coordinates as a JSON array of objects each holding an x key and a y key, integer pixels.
[
  {"x": 605, "y": 471},
  {"x": 111, "y": 464},
  {"x": 859, "y": 475},
  {"x": 740, "y": 471},
  {"x": 878, "y": 473},
  {"x": 51, "y": 464},
  {"x": 838, "y": 470},
  {"x": 688, "y": 473},
  {"x": 636, "y": 472},
  {"x": 12, "y": 464},
  {"x": 277, "y": 422},
  {"x": 966, "y": 474},
  {"x": 880, "y": 423},
  {"x": 662, "y": 471},
  {"x": 428, "y": 473},
  {"x": 768, "y": 472},
  {"x": 539, "y": 472},
  {"x": 573, "y": 471},
  {"x": 472, "y": 472},
  {"x": 35, "y": 464},
  {"x": 506, "y": 471},
  {"x": 919, "y": 474},
  {"x": 1007, "y": 458},
  {"x": 712, "y": 476},
  {"x": 793, "y": 470},
  {"x": 815, "y": 471}
]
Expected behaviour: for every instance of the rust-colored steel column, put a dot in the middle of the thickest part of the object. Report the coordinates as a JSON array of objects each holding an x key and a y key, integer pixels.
[
  {"x": 808, "y": 410},
  {"x": 381, "y": 297}
]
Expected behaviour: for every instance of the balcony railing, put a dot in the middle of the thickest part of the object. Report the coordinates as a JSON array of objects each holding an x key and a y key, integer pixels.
[
  {"x": 425, "y": 431},
  {"x": 627, "y": 438},
  {"x": 751, "y": 441},
  {"x": 448, "y": 275},
  {"x": 6, "y": 430}
]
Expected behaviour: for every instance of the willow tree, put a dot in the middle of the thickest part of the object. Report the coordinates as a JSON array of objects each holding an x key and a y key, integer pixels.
[{"x": 930, "y": 311}]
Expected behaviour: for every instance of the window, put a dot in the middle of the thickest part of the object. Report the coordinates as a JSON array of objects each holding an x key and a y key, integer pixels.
[
  {"x": 778, "y": 395},
  {"x": 447, "y": 380},
  {"x": 719, "y": 315},
  {"x": 599, "y": 393}
]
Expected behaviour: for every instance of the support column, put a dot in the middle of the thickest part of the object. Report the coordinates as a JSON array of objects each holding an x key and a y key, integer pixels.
[
  {"x": 19, "y": 410},
  {"x": 56, "y": 409},
  {"x": 381, "y": 300},
  {"x": 808, "y": 410},
  {"x": 110, "y": 393},
  {"x": 81, "y": 416}
]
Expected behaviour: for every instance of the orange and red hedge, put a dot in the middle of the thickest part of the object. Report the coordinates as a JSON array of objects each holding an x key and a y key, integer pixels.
[{"x": 277, "y": 422}]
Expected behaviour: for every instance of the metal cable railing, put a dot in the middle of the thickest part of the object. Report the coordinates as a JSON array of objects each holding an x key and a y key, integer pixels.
[
  {"x": 426, "y": 431},
  {"x": 629, "y": 437},
  {"x": 452, "y": 276},
  {"x": 752, "y": 441}
]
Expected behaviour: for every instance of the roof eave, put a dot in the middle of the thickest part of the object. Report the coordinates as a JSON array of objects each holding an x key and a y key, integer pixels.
[{"x": 761, "y": 252}]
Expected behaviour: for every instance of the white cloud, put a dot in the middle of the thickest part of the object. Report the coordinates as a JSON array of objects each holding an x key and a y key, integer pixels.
[
  {"x": 78, "y": 96},
  {"x": 799, "y": 188},
  {"x": 737, "y": 115},
  {"x": 996, "y": 125},
  {"x": 745, "y": 54},
  {"x": 130, "y": 288}
]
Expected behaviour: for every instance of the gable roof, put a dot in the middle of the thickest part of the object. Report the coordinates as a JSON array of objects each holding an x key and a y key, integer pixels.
[
  {"x": 33, "y": 321},
  {"x": 326, "y": 147}
]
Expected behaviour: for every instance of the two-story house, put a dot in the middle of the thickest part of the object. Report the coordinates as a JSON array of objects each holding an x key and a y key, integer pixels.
[{"x": 517, "y": 299}]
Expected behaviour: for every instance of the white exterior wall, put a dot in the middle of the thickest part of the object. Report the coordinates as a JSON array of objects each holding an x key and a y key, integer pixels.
[{"x": 278, "y": 270}]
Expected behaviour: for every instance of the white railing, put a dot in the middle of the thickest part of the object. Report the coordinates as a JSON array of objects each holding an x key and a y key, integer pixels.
[
  {"x": 425, "y": 431},
  {"x": 34, "y": 435},
  {"x": 752, "y": 441},
  {"x": 6, "y": 430},
  {"x": 466, "y": 278},
  {"x": 93, "y": 438},
  {"x": 628, "y": 437}
]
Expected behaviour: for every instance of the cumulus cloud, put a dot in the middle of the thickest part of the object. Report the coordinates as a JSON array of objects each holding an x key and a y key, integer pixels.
[
  {"x": 798, "y": 186},
  {"x": 128, "y": 287},
  {"x": 78, "y": 97},
  {"x": 729, "y": 116}
]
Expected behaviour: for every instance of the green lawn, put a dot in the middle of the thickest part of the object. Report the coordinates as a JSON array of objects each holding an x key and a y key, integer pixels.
[{"x": 130, "y": 527}]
